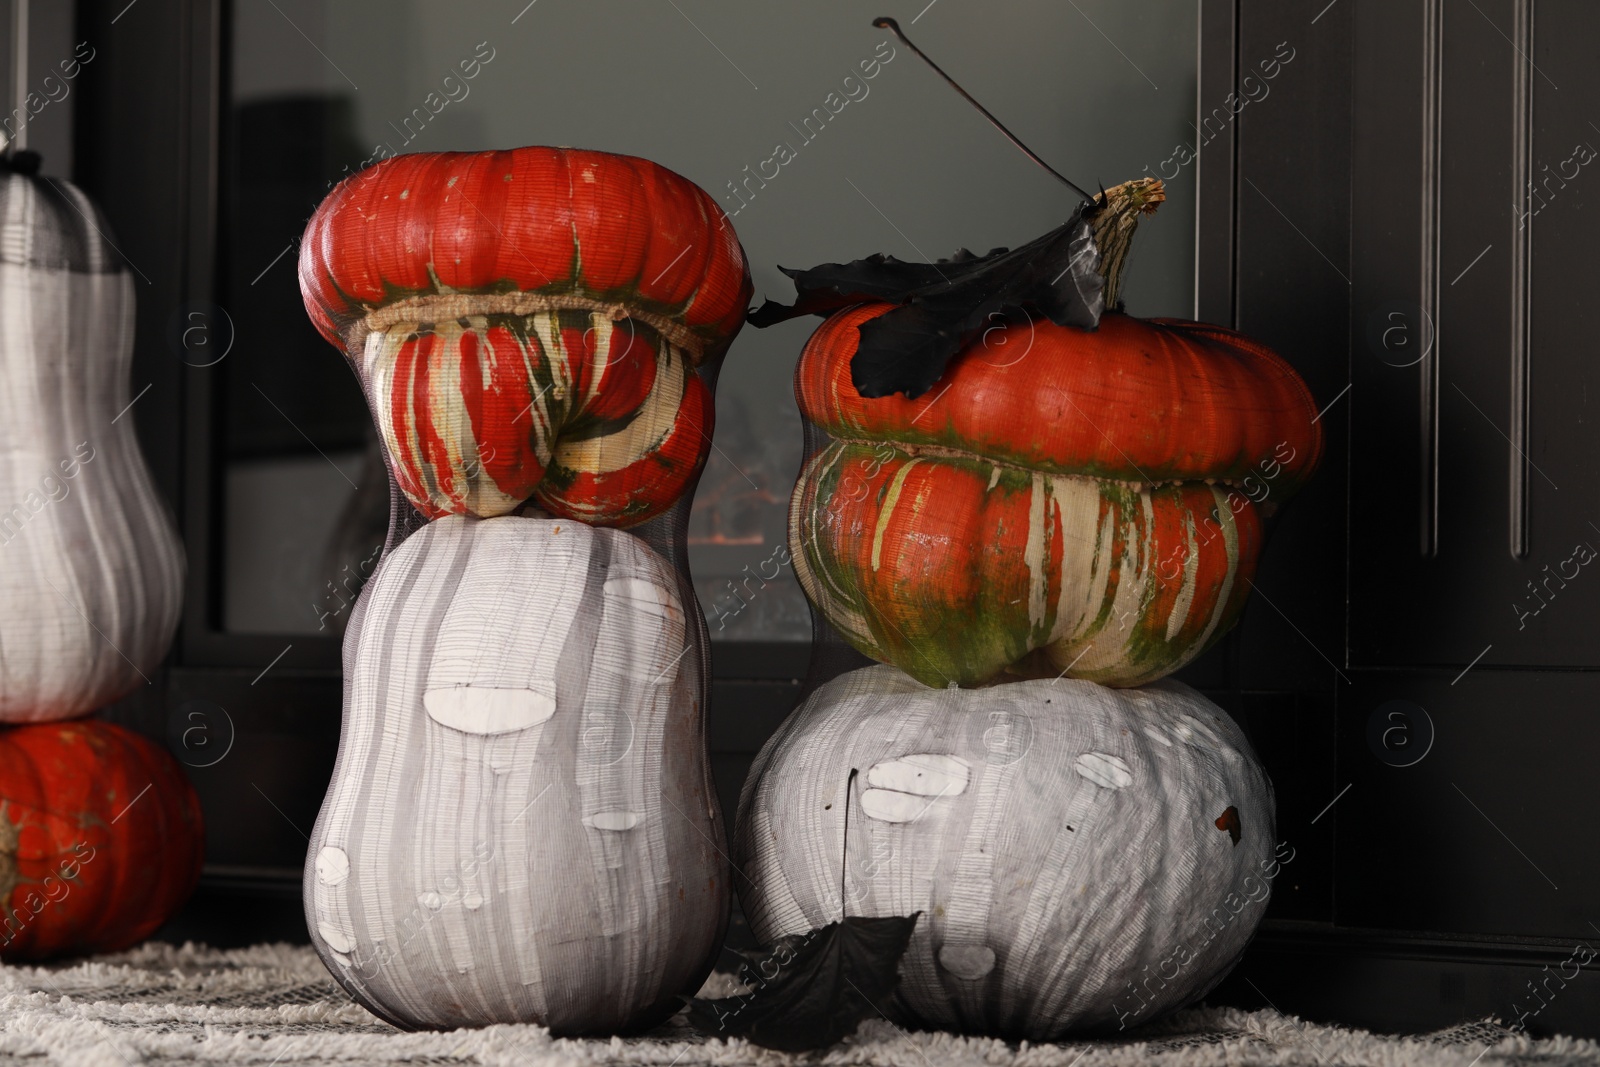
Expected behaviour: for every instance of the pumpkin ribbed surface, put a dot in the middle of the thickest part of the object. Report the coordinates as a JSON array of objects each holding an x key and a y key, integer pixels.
[
  {"x": 101, "y": 839},
  {"x": 1061, "y": 501},
  {"x": 1135, "y": 400},
  {"x": 529, "y": 324}
]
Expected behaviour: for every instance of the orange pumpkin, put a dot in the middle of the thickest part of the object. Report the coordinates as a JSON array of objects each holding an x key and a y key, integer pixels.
[
  {"x": 1062, "y": 501},
  {"x": 101, "y": 839}
]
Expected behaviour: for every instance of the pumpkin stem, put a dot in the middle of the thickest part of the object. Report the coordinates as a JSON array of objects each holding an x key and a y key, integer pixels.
[
  {"x": 844, "y": 859},
  {"x": 893, "y": 27},
  {"x": 1115, "y": 218}
]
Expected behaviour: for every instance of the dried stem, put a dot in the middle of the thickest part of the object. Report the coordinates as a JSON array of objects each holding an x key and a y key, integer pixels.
[
  {"x": 844, "y": 860},
  {"x": 894, "y": 27},
  {"x": 1114, "y": 223}
]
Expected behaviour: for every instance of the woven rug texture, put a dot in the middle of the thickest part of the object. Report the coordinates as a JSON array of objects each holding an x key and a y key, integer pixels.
[{"x": 276, "y": 1006}]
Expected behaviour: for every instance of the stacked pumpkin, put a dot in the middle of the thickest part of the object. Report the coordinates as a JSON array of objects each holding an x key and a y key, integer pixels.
[
  {"x": 1089, "y": 509},
  {"x": 100, "y": 831},
  {"x": 521, "y": 821},
  {"x": 1065, "y": 514}
]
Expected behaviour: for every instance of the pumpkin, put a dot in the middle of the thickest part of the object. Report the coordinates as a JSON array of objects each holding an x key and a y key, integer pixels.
[
  {"x": 92, "y": 572},
  {"x": 1082, "y": 857},
  {"x": 101, "y": 839},
  {"x": 530, "y": 324},
  {"x": 1063, "y": 500},
  {"x": 521, "y": 825}
]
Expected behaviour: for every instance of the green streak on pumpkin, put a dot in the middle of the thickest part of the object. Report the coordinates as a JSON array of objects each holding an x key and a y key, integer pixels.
[{"x": 996, "y": 633}]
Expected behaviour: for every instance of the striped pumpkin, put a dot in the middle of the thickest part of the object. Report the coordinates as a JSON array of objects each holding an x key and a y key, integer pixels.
[
  {"x": 1062, "y": 501},
  {"x": 91, "y": 568},
  {"x": 521, "y": 825},
  {"x": 530, "y": 324},
  {"x": 596, "y": 420}
]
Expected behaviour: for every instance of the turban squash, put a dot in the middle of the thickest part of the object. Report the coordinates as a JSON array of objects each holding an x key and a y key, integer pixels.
[
  {"x": 1081, "y": 856},
  {"x": 530, "y": 324},
  {"x": 1062, "y": 500},
  {"x": 101, "y": 839},
  {"x": 521, "y": 825}
]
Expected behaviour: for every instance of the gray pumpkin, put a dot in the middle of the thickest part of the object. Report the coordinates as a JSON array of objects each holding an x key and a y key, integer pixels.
[
  {"x": 1070, "y": 846},
  {"x": 521, "y": 822}
]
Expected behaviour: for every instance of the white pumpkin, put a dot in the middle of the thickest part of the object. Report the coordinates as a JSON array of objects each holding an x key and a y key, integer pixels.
[
  {"x": 521, "y": 825},
  {"x": 1066, "y": 843},
  {"x": 91, "y": 569}
]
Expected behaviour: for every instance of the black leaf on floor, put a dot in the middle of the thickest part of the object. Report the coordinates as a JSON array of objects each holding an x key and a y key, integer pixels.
[{"x": 812, "y": 990}]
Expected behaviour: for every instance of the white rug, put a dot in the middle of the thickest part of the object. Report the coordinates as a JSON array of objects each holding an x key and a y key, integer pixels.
[{"x": 275, "y": 1006}]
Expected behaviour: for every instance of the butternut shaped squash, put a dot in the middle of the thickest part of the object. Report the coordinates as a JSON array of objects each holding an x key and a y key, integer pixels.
[
  {"x": 91, "y": 569},
  {"x": 521, "y": 825}
]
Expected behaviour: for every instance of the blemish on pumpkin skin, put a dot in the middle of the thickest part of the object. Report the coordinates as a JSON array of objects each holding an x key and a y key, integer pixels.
[{"x": 1228, "y": 822}]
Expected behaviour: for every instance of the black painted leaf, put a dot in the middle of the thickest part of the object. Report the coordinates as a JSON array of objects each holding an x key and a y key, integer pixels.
[
  {"x": 831, "y": 286},
  {"x": 948, "y": 304},
  {"x": 812, "y": 990}
]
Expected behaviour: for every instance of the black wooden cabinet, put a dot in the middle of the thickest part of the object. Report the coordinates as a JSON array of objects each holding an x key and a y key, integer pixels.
[
  {"x": 1417, "y": 664},
  {"x": 1473, "y": 495}
]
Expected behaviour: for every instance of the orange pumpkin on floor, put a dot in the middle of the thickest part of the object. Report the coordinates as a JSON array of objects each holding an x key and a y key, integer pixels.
[{"x": 101, "y": 839}]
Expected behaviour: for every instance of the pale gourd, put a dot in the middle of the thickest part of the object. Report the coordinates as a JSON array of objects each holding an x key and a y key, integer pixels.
[
  {"x": 1082, "y": 857},
  {"x": 91, "y": 569},
  {"x": 521, "y": 825}
]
